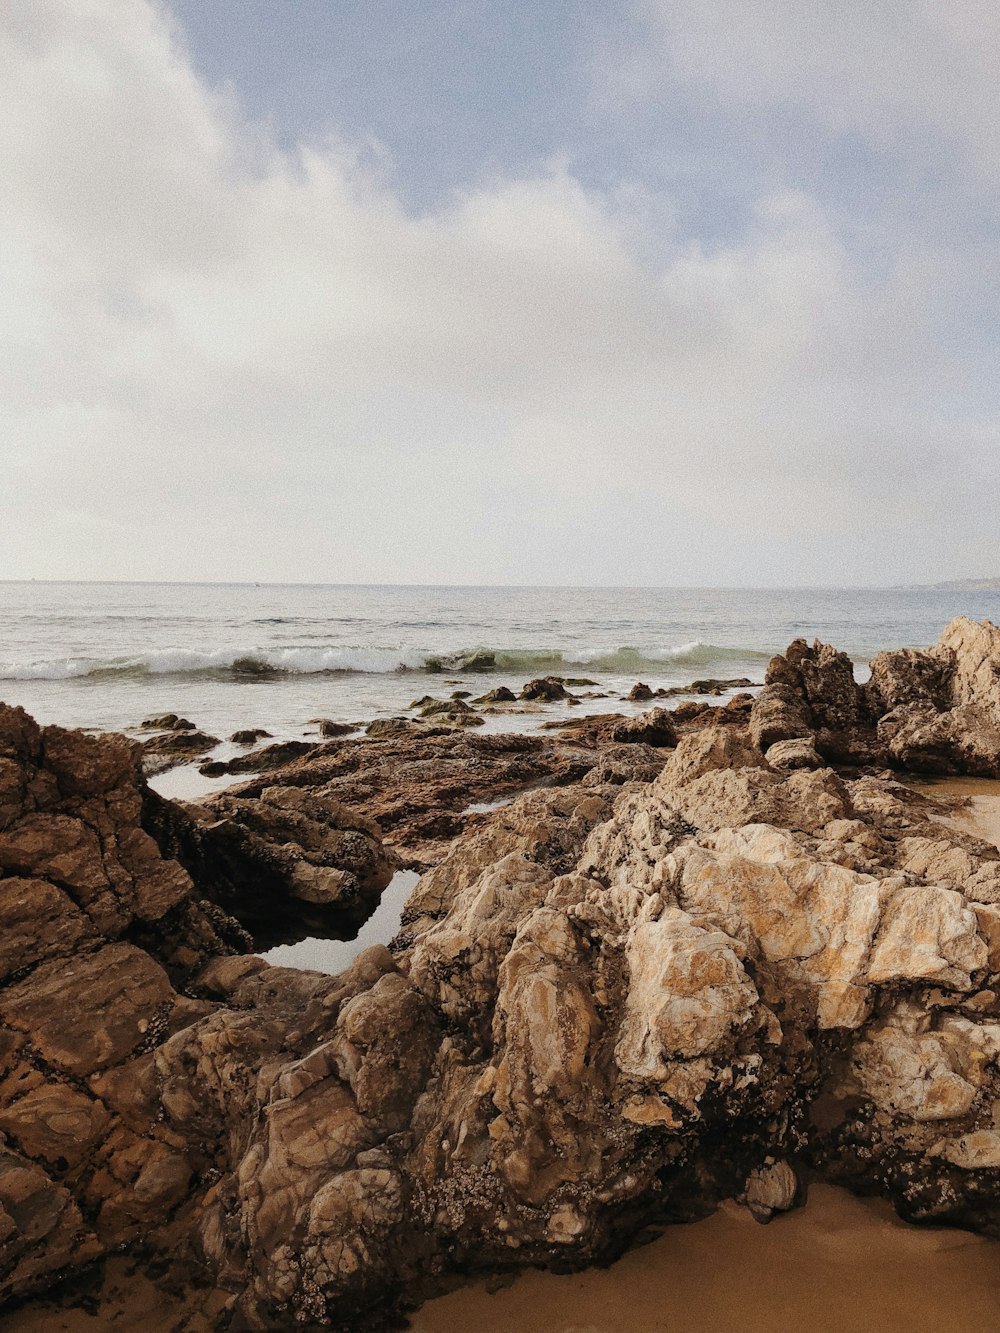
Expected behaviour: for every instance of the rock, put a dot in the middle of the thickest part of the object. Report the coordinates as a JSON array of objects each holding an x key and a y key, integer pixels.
[
  {"x": 452, "y": 711},
  {"x": 618, "y": 1000},
  {"x": 960, "y": 740},
  {"x": 712, "y": 685},
  {"x": 546, "y": 688},
  {"x": 249, "y": 736},
  {"x": 791, "y": 754},
  {"x": 639, "y": 693},
  {"x": 393, "y": 728},
  {"x": 285, "y": 862},
  {"x": 933, "y": 710},
  {"x": 82, "y": 1007},
  {"x": 909, "y": 676},
  {"x": 501, "y": 695},
  {"x": 167, "y": 722},
  {"x": 175, "y": 747},
  {"x": 653, "y": 728},
  {"x": 708, "y": 685},
  {"x": 810, "y": 694},
  {"x": 329, "y": 729},
  {"x": 264, "y": 760},
  {"x": 779, "y": 714},
  {"x": 771, "y": 1189}
]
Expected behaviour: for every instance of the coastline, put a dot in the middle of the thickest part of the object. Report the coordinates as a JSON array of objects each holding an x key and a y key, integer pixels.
[{"x": 681, "y": 964}]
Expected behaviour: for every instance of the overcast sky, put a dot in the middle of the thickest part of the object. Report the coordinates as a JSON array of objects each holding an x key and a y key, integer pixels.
[{"x": 476, "y": 291}]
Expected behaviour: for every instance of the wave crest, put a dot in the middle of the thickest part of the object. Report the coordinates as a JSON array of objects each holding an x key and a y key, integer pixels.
[{"x": 256, "y": 663}]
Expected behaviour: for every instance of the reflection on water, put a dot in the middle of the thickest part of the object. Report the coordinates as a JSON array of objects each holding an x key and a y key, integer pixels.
[{"x": 318, "y": 955}]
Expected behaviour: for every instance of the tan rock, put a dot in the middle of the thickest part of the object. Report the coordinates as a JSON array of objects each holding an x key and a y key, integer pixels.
[{"x": 688, "y": 993}]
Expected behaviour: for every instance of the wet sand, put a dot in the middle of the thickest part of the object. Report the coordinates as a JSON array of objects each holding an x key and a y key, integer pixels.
[
  {"x": 839, "y": 1265},
  {"x": 980, "y": 811}
]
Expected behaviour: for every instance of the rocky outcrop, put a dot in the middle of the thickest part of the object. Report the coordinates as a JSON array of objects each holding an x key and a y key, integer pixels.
[
  {"x": 640, "y": 692},
  {"x": 545, "y": 688},
  {"x": 610, "y": 1007},
  {"x": 99, "y": 936},
  {"x": 415, "y": 782},
  {"x": 453, "y": 712},
  {"x": 177, "y": 746},
  {"x": 287, "y": 862},
  {"x": 653, "y": 728},
  {"x": 675, "y": 977},
  {"x": 810, "y": 694},
  {"x": 934, "y": 710}
]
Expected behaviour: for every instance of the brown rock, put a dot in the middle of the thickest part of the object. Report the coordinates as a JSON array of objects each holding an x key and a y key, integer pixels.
[
  {"x": 653, "y": 728},
  {"x": 249, "y": 736},
  {"x": 118, "y": 993},
  {"x": 545, "y": 688}
]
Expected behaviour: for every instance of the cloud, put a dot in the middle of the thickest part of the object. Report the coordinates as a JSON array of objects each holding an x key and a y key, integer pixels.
[
  {"x": 224, "y": 360},
  {"x": 915, "y": 75}
]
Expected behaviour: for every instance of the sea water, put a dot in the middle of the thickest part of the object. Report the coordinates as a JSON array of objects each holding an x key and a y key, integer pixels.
[{"x": 106, "y": 655}]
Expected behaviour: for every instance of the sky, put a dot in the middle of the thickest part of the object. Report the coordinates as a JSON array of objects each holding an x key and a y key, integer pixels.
[{"x": 663, "y": 292}]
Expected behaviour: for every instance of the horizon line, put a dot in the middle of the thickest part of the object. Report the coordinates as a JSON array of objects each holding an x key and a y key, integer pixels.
[{"x": 941, "y": 585}]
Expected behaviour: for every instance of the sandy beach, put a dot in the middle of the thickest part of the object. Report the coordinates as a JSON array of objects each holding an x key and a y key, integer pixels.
[{"x": 838, "y": 1265}]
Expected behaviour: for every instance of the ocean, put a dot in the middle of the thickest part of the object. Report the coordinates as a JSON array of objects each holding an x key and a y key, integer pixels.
[{"x": 106, "y": 655}]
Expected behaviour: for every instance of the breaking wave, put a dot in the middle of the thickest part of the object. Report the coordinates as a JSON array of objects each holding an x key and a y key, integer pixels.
[{"x": 253, "y": 663}]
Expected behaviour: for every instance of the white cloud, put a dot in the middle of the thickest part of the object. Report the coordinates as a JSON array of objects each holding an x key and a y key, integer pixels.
[
  {"x": 916, "y": 73},
  {"x": 220, "y": 360}
]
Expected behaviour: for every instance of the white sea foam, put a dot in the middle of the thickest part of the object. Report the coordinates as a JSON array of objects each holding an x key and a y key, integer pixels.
[
  {"x": 241, "y": 661},
  {"x": 259, "y": 661}
]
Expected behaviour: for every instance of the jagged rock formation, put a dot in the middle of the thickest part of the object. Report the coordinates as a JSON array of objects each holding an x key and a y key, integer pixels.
[
  {"x": 934, "y": 710},
  {"x": 286, "y": 861},
  {"x": 683, "y": 977},
  {"x": 98, "y": 937}
]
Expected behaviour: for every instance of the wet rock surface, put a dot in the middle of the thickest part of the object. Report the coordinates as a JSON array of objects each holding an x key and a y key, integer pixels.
[
  {"x": 669, "y": 977},
  {"x": 178, "y": 745},
  {"x": 287, "y": 862}
]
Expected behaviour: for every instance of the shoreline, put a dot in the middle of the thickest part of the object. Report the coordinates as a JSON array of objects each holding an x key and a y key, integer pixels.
[{"x": 703, "y": 963}]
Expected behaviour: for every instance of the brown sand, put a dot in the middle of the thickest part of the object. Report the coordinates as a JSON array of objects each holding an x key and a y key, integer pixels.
[
  {"x": 839, "y": 1265},
  {"x": 980, "y": 813}
]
